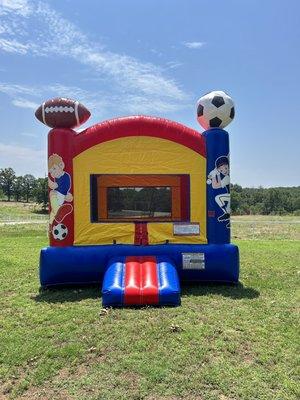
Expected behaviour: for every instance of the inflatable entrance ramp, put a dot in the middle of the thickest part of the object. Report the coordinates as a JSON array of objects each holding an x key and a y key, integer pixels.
[{"x": 140, "y": 281}]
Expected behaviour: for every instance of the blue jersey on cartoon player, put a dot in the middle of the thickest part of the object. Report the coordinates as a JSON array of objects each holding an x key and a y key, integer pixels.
[{"x": 63, "y": 183}]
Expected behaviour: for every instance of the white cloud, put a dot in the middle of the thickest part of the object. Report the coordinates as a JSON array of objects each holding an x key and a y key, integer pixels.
[
  {"x": 138, "y": 104},
  {"x": 25, "y": 96},
  {"x": 13, "y": 46},
  {"x": 23, "y": 159},
  {"x": 56, "y": 35},
  {"x": 15, "y": 90},
  {"x": 19, "y": 152},
  {"x": 174, "y": 64},
  {"x": 92, "y": 100},
  {"x": 29, "y": 134},
  {"x": 194, "y": 45},
  {"x": 18, "y": 6},
  {"x": 97, "y": 102},
  {"x": 23, "y": 103}
]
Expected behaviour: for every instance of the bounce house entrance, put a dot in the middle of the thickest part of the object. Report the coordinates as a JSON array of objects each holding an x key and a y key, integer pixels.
[
  {"x": 140, "y": 280},
  {"x": 141, "y": 234}
]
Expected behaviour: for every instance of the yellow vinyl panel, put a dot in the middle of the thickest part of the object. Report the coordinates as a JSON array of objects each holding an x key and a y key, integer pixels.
[{"x": 137, "y": 155}]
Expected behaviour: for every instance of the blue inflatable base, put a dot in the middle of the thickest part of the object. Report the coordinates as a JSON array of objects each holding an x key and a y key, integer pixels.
[
  {"x": 165, "y": 291},
  {"x": 77, "y": 265}
]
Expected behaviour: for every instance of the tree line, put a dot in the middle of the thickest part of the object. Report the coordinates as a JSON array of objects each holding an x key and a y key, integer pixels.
[
  {"x": 277, "y": 200},
  {"x": 23, "y": 188},
  {"x": 265, "y": 201},
  {"x": 148, "y": 200}
]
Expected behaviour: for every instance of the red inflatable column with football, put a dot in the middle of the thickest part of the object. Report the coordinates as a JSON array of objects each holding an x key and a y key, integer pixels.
[
  {"x": 60, "y": 146},
  {"x": 63, "y": 115}
]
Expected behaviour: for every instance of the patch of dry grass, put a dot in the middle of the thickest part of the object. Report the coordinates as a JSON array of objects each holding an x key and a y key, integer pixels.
[{"x": 266, "y": 227}]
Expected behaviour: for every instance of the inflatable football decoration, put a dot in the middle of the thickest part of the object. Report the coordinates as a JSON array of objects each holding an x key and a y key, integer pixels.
[{"x": 62, "y": 113}]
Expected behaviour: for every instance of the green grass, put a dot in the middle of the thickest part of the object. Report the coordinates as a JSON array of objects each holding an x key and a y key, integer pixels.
[
  {"x": 19, "y": 211},
  {"x": 258, "y": 227},
  {"x": 224, "y": 342}
]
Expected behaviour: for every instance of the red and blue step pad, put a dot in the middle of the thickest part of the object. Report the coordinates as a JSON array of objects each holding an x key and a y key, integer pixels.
[{"x": 140, "y": 281}]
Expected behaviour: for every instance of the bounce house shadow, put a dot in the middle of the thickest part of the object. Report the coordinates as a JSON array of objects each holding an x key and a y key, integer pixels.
[
  {"x": 68, "y": 294},
  {"x": 234, "y": 291},
  {"x": 77, "y": 294}
]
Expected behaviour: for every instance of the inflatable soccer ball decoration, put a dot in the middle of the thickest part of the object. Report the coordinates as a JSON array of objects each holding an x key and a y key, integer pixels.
[
  {"x": 59, "y": 231},
  {"x": 215, "y": 110}
]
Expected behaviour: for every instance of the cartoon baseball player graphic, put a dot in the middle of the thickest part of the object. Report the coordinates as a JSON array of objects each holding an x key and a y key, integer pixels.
[
  {"x": 60, "y": 189},
  {"x": 220, "y": 181}
]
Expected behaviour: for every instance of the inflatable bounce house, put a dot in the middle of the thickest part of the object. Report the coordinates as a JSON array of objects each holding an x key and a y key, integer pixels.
[{"x": 138, "y": 204}]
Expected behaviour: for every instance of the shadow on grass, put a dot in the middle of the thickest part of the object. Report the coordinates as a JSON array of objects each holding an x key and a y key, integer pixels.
[
  {"x": 68, "y": 294},
  {"x": 40, "y": 212},
  {"x": 238, "y": 291},
  {"x": 77, "y": 294}
]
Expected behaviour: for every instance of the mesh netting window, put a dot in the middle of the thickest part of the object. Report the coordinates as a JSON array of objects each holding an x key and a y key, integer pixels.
[
  {"x": 139, "y": 197},
  {"x": 139, "y": 202}
]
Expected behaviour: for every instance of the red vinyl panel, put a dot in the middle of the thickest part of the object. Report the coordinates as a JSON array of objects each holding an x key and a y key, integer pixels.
[
  {"x": 60, "y": 141},
  {"x": 141, "y": 281},
  {"x": 140, "y": 125},
  {"x": 132, "y": 293},
  {"x": 141, "y": 233},
  {"x": 149, "y": 281},
  {"x": 185, "y": 197}
]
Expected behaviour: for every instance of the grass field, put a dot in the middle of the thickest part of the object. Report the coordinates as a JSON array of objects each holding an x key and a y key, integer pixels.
[
  {"x": 224, "y": 342},
  {"x": 17, "y": 211}
]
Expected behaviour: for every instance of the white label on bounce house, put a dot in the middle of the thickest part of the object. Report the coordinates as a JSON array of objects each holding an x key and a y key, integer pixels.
[
  {"x": 186, "y": 229},
  {"x": 193, "y": 260}
]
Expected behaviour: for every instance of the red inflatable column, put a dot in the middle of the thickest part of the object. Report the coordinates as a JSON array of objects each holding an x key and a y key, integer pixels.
[{"x": 60, "y": 182}]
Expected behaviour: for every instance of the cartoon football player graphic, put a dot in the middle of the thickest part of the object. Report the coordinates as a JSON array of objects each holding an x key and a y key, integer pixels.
[
  {"x": 220, "y": 181},
  {"x": 60, "y": 189}
]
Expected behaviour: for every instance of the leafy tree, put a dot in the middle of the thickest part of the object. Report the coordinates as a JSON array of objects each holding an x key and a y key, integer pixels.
[
  {"x": 40, "y": 192},
  {"x": 115, "y": 199},
  {"x": 18, "y": 188},
  {"x": 236, "y": 199},
  {"x": 280, "y": 200},
  {"x": 29, "y": 184},
  {"x": 7, "y": 177}
]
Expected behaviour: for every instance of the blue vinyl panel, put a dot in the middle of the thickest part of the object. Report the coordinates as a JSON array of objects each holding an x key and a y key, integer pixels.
[
  {"x": 168, "y": 282},
  {"x": 113, "y": 283},
  {"x": 87, "y": 264}
]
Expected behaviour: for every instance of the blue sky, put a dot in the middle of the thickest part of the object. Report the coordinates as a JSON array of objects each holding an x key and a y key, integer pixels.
[{"x": 156, "y": 57}]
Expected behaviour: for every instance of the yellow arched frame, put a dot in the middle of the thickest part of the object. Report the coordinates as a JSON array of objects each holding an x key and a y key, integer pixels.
[{"x": 137, "y": 155}]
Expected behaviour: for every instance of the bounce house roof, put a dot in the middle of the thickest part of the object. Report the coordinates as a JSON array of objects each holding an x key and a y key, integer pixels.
[{"x": 140, "y": 125}]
